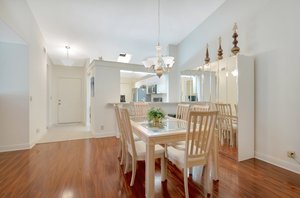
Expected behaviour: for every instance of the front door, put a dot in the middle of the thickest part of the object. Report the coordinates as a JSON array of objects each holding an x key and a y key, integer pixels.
[{"x": 69, "y": 100}]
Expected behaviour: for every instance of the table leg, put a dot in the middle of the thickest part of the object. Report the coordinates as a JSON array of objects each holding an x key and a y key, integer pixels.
[
  {"x": 150, "y": 171},
  {"x": 163, "y": 167}
]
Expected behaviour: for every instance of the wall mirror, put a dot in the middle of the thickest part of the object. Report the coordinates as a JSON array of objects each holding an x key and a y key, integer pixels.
[
  {"x": 217, "y": 84},
  {"x": 198, "y": 86}
]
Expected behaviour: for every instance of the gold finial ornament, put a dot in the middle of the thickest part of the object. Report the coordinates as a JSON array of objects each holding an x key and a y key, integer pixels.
[
  {"x": 235, "y": 48},
  {"x": 207, "y": 59},
  {"x": 220, "y": 50}
]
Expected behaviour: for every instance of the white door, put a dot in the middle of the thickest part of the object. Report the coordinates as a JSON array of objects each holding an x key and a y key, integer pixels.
[{"x": 69, "y": 100}]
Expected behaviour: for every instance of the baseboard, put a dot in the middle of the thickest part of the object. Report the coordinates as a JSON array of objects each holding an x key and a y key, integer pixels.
[
  {"x": 278, "y": 162},
  {"x": 104, "y": 134},
  {"x": 16, "y": 147}
]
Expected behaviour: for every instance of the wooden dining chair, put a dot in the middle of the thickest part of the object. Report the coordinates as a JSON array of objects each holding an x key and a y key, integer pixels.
[
  {"x": 198, "y": 143},
  {"x": 182, "y": 111},
  {"x": 227, "y": 128},
  {"x": 199, "y": 108},
  {"x": 140, "y": 109},
  {"x": 137, "y": 149},
  {"x": 123, "y": 148},
  {"x": 122, "y": 134}
]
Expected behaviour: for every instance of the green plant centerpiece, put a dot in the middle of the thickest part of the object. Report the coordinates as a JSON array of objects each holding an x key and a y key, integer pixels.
[{"x": 156, "y": 115}]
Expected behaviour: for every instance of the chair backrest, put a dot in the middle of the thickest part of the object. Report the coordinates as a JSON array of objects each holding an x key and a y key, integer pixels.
[
  {"x": 200, "y": 131},
  {"x": 225, "y": 116},
  {"x": 129, "y": 140},
  {"x": 140, "y": 108},
  {"x": 199, "y": 108},
  {"x": 117, "y": 113},
  {"x": 182, "y": 111}
]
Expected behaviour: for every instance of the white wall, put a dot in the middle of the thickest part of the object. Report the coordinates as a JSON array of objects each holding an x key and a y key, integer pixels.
[
  {"x": 268, "y": 31},
  {"x": 64, "y": 72},
  {"x": 14, "y": 98},
  {"x": 107, "y": 90},
  {"x": 18, "y": 16}
]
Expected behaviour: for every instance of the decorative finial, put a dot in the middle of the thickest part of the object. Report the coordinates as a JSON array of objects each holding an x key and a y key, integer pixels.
[
  {"x": 220, "y": 50},
  {"x": 235, "y": 48},
  {"x": 234, "y": 27},
  {"x": 207, "y": 59}
]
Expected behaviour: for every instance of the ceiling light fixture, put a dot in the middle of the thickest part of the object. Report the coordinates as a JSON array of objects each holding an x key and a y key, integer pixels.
[
  {"x": 68, "y": 61},
  {"x": 67, "y": 48},
  {"x": 160, "y": 64}
]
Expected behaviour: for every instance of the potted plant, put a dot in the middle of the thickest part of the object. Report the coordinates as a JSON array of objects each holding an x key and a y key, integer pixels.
[{"x": 155, "y": 115}]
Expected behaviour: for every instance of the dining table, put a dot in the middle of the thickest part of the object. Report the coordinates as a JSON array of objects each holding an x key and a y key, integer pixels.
[{"x": 170, "y": 131}]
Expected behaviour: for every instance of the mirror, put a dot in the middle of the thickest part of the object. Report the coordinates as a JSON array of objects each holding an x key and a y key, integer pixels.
[
  {"x": 216, "y": 83},
  {"x": 198, "y": 86}
]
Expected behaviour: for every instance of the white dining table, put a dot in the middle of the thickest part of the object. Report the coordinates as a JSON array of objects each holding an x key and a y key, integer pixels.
[{"x": 170, "y": 131}]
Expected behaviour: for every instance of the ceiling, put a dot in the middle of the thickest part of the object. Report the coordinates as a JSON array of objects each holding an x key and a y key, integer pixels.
[{"x": 95, "y": 28}]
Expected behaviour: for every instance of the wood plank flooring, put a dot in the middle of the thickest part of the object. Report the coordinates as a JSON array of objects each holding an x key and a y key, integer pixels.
[{"x": 90, "y": 168}]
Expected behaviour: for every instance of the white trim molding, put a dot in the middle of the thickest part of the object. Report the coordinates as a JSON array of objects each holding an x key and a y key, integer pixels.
[
  {"x": 16, "y": 147},
  {"x": 278, "y": 162},
  {"x": 104, "y": 134}
]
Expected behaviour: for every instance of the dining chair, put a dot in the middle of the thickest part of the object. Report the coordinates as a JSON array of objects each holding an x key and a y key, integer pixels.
[
  {"x": 123, "y": 147},
  {"x": 182, "y": 111},
  {"x": 140, "y": 109},
  {"x": 199, "y": 108},
  {"x": 137, "y": 149},
  {"x": 187, "y": 109},
  {"x": 197, "y": 147},
  {"x": 226, "y": 126},
  {"x": 122, "y": 135}
]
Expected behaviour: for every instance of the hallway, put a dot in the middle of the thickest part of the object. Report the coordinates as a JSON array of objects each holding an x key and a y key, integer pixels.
[{"x": 60, "y": 133}]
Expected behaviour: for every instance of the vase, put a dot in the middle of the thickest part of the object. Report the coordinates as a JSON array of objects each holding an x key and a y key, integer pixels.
[{"x": 156, "y": 122}]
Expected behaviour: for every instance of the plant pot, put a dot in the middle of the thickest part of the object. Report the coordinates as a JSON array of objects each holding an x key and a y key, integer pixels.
[{"x": 156, "y": 121}]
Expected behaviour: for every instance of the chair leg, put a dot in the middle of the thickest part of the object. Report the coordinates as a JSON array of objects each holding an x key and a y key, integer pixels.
[
  {"x": 186, "y": 188},
  {"x": 126, "y": 161},
  {"x": 133, "y": 171},
  {"x": 163, "y": 166},
  {"x": 122, "y": 153},
  {"x": 231, "y": 138},
  {"x": 207, "y": 182},
  {"x": 120, "y": 149},
  {"x": 191, "y": 171}
]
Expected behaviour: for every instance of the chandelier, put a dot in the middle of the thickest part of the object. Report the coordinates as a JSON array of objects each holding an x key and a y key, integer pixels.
[{"x": 159, "y": 64}]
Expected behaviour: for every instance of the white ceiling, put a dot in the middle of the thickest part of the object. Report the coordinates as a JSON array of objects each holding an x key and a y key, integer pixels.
[{"x": 94, "y": 28}]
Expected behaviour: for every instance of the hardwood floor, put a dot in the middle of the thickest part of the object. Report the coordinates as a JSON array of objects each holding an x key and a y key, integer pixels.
[
  {"x": 90, "y": 168},
  {"x": 228, "y": 151}
]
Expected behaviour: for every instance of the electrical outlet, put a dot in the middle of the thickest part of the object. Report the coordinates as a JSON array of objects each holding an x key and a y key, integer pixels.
[
  {"x": 102, "y": 127},
  {"x": 291, "y": 154}
]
